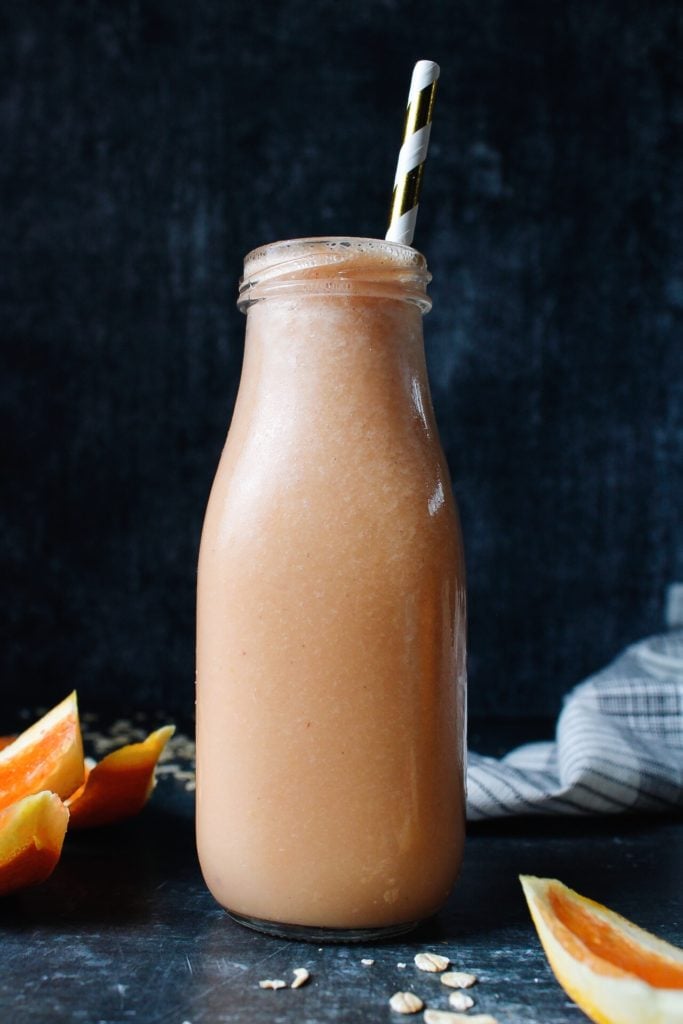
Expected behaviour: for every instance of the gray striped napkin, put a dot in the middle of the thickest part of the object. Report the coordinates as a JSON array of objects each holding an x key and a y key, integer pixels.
[{"x": 618, "y": 745}]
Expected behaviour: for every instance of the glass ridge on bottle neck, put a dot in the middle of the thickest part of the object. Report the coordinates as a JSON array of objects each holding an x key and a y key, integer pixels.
[{"x": 336, "y": 267}]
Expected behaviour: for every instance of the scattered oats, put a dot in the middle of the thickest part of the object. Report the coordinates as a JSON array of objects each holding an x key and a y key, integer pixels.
[
  {"x": 459, "y": 979},
  {"x": 405, "y": 1002},
  {"x": 100, "y": 743},
  {"x": 274, "y": 984},
  {"x": 367, "y": 962},
  {"x": 301, "y": 976},
  {"x": 460, "y": 1001},
  {"x": 401, "y": 966},
  {"x": 446, "y": 1017},
  {"x": 190, "y": 787},
  {"x": 431, "y": 962}
]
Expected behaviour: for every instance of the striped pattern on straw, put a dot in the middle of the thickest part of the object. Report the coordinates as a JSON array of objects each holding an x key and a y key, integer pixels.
[{"x": 413, "y": 152}]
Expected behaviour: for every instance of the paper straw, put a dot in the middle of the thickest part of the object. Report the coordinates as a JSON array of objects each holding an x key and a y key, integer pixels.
[{"x": 413, "y": 152}]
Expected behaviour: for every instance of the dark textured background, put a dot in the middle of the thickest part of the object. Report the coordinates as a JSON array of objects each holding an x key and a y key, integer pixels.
[{"x": 146, "y": 146}]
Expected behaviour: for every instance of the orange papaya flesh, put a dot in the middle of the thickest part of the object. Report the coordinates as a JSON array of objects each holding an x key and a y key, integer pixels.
[
  {"x": 120, "y": 784},
  {"x": 31, "y": 836}
]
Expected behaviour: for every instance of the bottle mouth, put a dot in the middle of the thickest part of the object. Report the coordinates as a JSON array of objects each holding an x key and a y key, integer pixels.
[{"x": 335, "y": 266}]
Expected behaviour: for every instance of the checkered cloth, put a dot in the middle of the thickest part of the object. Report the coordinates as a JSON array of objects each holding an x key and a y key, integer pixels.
[{"x": 618, "y": 745}]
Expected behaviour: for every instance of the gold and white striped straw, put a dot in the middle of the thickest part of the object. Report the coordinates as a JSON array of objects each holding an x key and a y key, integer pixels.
[{"x": 413, "y": 152}]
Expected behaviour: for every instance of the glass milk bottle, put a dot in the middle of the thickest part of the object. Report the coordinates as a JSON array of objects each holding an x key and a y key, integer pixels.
[{"x": 331, "y": 608}]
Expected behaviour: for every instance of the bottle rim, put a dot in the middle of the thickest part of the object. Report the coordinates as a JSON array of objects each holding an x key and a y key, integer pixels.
[{"x": 335, "y": 266}]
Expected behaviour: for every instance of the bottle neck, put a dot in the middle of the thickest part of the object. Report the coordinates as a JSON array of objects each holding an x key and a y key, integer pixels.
[
  {"x": 356, "y": 362},
  {"x": 334, "y": 340}
]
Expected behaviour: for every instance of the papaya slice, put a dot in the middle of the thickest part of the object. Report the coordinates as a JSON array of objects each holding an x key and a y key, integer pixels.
[
  {"x": 31, "y": 836},
  {"x": 615, "y": 971},
  {"x": 120, "y": 784},
  {"x": 46, "y": 756}
]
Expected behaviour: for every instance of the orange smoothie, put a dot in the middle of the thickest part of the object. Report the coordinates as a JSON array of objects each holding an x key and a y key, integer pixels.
[{"x": 331, "y": 608}]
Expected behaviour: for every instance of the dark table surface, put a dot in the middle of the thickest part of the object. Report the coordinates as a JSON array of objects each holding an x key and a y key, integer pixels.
[{"x": 125, "y": 930}]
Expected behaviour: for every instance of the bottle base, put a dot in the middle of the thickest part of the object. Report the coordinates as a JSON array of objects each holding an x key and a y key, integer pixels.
[{"x": 306, "y": 933}]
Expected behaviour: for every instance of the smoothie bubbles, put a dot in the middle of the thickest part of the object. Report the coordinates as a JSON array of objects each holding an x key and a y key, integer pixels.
[{"x": 331, "y": 596}]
